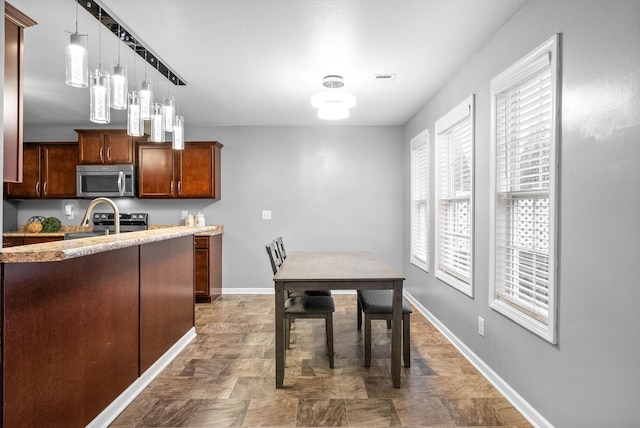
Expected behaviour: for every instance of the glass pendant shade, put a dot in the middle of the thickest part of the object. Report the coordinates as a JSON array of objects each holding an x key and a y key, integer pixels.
[
  {"x": 168, "y": 113},
  {"x": 177, "y": 142},
  {"x": 100, "y": 100},
  {"x": 119, "y": 88},
  {"x": 135, "y": 124},
  {"x": 157, "y": 129},
  {"x": 77, "y": 68},
  {"x": 146, "y": 100}
]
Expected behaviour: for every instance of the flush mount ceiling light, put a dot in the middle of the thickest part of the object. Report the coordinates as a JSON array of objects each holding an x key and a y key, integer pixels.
[{"x": 333, "y": 105}]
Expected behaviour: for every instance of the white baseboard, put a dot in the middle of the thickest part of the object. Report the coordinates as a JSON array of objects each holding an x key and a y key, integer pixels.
[
  {"x": 516, "y": 400},
  {"x": 123, "y": 400},
  {"x": 270, "y": 291}
]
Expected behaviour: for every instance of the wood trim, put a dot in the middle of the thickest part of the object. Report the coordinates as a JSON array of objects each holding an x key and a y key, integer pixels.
[{"x": 17, "y": 17}]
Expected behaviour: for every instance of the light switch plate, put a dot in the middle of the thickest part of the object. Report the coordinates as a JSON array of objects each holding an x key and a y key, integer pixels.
[{"x": 266, "y": 214}]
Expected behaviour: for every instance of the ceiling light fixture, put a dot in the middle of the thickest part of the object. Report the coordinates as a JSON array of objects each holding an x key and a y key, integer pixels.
[
  {"x": 100, "y": 88},
  {"x": 127, "y": 37},
  {"x": 119, "y": 85},
  {"x": 135, "y": 124},
  {"x": 333, "y": 105},
  {"x": 76, "y": 59}
]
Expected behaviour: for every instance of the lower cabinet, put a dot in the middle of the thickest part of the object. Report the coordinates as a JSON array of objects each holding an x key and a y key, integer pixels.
[
  {"x": 208, "y": 268},
  {"x": 14, "y": 241}
]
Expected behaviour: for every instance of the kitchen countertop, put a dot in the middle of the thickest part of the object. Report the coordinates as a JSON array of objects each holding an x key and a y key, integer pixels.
[{"x": 67, "y": 249}]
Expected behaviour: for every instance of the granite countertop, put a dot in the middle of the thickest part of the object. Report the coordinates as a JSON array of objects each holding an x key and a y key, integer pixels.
[{"x": 67, "y": 249}]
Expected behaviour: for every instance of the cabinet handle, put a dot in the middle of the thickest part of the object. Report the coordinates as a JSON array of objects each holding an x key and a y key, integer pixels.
[
  {"x": 44, "y": 188},
  {"x": 172, "y": 187},
  {"x": 179, "y": 187},
  {"x": 109, "y": 153},
  {"x": 101, "y": 154},
  {"x": 38, "y": 188}
]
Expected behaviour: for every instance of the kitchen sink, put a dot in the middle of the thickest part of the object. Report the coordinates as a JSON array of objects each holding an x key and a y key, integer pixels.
[{"x": 78, "y": 235}]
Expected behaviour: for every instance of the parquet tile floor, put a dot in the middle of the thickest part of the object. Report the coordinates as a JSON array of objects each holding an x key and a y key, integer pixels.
[{"x": 226, "y": 377}]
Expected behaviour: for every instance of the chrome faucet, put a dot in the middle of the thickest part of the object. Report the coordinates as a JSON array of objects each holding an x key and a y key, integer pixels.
[{"x": 96, "y": 201}]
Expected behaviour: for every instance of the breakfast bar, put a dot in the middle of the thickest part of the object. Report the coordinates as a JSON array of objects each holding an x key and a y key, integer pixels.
[{"x": 87, "y": 323}]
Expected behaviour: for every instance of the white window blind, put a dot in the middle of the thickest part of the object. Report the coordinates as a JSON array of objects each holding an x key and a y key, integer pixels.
[
  {"x": 420, "y": 200},
  {"x": 524, "y": 198},
  {"x": 454, "y": 191}
]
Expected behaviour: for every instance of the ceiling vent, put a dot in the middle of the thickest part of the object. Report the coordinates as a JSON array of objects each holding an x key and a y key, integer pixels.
[
  {"x": 333, "y": 82},
  {"x": 383, "y": 78}
]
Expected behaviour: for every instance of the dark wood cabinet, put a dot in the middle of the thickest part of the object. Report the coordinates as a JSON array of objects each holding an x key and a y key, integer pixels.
[
  {"x": 106, "y": 146},
  {"x": 14, "y": 24},
  {"x": 49, "y": 172},
  {"x": 208, "y": 268},
  {"x": 190, "y": 173},
  {"x": 14, "y": 241}
]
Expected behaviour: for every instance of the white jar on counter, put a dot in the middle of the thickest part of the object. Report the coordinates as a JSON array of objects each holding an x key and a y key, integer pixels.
[
  {"x": 189, "y": 220},
  {"x": 200, "y": 222}
]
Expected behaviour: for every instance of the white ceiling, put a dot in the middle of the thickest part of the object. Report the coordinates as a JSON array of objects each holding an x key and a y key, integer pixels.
[{"x": 250, "y": 62}]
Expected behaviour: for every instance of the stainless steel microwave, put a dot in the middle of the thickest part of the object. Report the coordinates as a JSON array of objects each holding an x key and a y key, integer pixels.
[{"x": 112, "y": 181}]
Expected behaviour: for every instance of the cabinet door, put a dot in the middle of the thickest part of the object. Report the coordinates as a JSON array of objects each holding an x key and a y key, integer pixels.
[
  {"x": 155, "y": 171},
  {"x": 91, "y": 148},
  {"x": 119, "y": 148},
  {"x": 30, "y": 187},
  {"x": 201, "y": 261},
  {"x": 59, "y": 170},
  {"x": 12, "y": 102},
  {"x": 28, "y": 240},
  {"x": 12, "y": 241},
  {"x": 195, "y": 171},
  {"x": 14, "y": 24}
]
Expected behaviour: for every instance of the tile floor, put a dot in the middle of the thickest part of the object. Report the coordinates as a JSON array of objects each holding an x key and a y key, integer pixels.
[{"x": 226, "y": 377}]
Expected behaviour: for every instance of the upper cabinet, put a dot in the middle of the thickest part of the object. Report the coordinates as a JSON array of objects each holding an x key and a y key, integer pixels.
[
  {"x": 106, "y": 146},
  {"x": 14, "y": 24},
  {"x": 190, "y": 173},
  {"x": 49, "y": 172}
]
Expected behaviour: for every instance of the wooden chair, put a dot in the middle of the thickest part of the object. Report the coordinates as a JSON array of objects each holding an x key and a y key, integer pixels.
[
  {"x": 304, "y": 305},
  {"x": 311, "y": 307},
  {"x": 282, "y": 253},
  {"x": 378, "y": 305}
]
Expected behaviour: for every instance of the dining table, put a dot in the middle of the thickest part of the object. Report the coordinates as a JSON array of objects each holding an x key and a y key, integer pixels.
[{"x": 337, "y": 271}]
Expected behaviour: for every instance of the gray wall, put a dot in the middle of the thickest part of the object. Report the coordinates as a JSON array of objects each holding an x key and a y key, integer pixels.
[
  {"x": 329, "y": 188},
  {"x": 592, "y": 377}
]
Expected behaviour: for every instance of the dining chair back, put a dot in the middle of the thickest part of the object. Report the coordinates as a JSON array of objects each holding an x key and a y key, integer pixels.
[
  {"x": 274, "y": 256},
  {"x": 280, "y": 246}
]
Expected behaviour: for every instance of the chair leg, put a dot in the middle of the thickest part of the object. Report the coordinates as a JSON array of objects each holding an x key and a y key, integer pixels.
[
  {"x": 367, "y": 340},
  {"x": 287, "y": 333},
  {"x": 389, "y": 324},
  {"x": 359, "y": 314},
  {"x": 329, "y": 321},
  {"x": 406, "y": 340}
]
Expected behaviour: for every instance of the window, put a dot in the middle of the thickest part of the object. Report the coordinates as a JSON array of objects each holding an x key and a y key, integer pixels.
[
  {"x": 420, "y": 200},
  {"x": 524, "y": 159},
  {"x": 454, "y": 193}
]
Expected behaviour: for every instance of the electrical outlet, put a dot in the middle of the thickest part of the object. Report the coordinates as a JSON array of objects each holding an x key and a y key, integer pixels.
[
  {"x": 185, "y": 213},
  {"x": 266, "y": 214},
  {"x": 481, "y": 326}
]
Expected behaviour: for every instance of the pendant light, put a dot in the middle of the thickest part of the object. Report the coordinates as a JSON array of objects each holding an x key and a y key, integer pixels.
[
  {"x": 157, "y": 128},
  {"x": 135, "y": 124},
  {"x": 119, "y": 83},
  {"x": 100, "y": 87},
  {"x": 146, "y": 94},
  {"x": 168, "y": 109},
  {"x": 76, "y": 59},
  {"x": 177, "y": 141}
]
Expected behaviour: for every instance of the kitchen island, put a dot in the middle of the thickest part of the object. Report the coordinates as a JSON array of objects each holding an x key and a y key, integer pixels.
[{"x": 88, "y": 323}]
